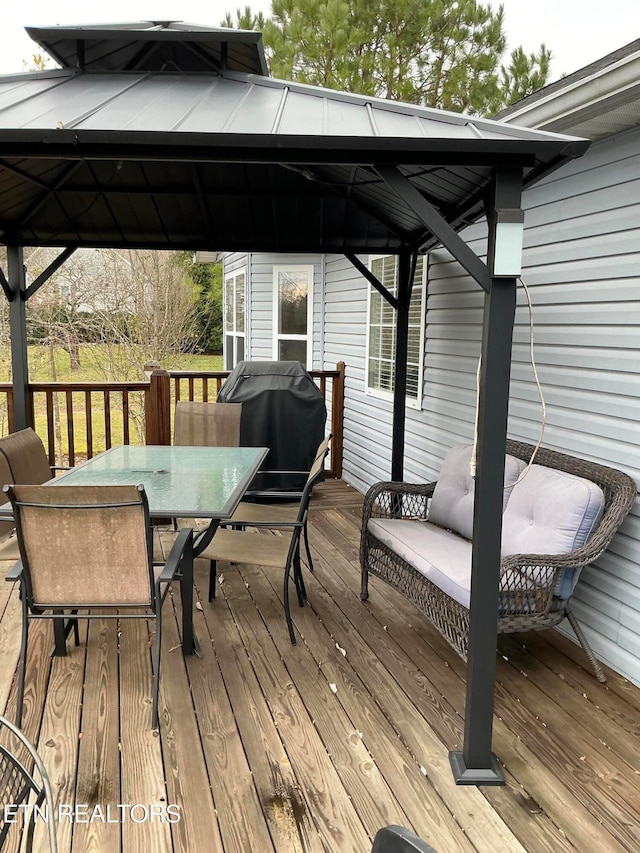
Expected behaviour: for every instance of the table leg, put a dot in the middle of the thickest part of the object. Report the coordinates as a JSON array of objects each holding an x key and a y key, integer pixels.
[
  {"x": 59, "y": 637},
  {"x": 189, "y": 639}
]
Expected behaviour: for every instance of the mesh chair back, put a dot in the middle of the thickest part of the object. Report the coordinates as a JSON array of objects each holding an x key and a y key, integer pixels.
[
  {"x": 207, "y": 424},
  {"x": 5, "y": 477},
  {"x": 314, "y": 475},
  {"x": 27, "y": 458},
  {"x": 84, "y": 545}
]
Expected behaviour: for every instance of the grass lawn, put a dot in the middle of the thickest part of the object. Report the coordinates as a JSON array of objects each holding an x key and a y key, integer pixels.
[
  {"x": 92, "y": 369},
  {"x": 92, "y": 364}
]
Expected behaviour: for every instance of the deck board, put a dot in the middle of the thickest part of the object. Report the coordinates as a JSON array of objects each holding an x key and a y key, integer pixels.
[{"x": 259, "y": 751}]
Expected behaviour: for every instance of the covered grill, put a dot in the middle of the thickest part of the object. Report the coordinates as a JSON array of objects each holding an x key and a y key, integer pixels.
[{"x": 282, "y": 409}]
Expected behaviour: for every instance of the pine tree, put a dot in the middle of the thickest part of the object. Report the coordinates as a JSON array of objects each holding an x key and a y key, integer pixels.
[{"x": 438, "y": 53}]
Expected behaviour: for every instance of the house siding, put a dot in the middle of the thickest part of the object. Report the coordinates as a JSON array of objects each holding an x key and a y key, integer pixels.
[{"x": 260, "y": 299}]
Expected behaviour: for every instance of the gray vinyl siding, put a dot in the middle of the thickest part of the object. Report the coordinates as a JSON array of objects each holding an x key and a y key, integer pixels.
[{"x": 367, "y": 419}]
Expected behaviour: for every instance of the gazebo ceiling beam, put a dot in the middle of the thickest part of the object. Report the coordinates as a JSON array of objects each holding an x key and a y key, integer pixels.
[
  {"x": 372, "y": 279},
  {"x": 103, "y": 195},
  {"x": 42, "y": 199},
  {"x": 346, "y": 193},
  {"x": 45, "y": 275},
  {"x": 437, "y": 225},
  {"x": 5, "y": 285}
]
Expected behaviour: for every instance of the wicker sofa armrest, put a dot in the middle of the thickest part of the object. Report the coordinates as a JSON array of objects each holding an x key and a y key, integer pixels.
[{"x": 397, "y": 500}]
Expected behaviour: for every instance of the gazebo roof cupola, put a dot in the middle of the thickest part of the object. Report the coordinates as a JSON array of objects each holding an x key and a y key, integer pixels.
[{"x": 153, "y": 46}]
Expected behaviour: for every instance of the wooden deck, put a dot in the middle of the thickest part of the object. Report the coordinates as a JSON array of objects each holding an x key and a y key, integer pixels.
[{"x": 264, "y": 746}]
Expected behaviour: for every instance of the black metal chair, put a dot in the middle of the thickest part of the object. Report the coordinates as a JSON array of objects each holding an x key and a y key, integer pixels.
[
  {"x": 397, "y": 839},
  {"x": 85, "y": 547},
  {"x": 274, "y": 508},
  {"x": 238, "y": 546},
  {"x": 18, "y": 785}
]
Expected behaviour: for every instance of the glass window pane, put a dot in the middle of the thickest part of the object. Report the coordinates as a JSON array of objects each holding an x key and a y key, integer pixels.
[
  {"x": 240, "y": 349},
  {"x": 228, "y": 352},
  {"x": 293, "y": 290},
  {"x": 293, "y": 351},
  {"x": 239, "y": 312},
  {"x": 228, "y": 305},
  {"x": 382, "y": 328}
]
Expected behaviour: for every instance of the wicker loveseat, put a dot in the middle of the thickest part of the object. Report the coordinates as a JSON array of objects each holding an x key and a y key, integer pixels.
[{"x": 416, "y": 538}]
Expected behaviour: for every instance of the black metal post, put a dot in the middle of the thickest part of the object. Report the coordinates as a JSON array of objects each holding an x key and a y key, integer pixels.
[
  {"x": 400, "y": 367},
  {"x": 18, "y": 328},
  {"x": 476, "y": 764}
]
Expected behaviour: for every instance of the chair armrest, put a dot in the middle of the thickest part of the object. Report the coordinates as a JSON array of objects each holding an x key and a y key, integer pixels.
[
  {"x": 15, "y": 572},
  {"x": 270, "y": 525},
  {"x": 396, "y": 500},
  {"x": 183, "y": 541}
]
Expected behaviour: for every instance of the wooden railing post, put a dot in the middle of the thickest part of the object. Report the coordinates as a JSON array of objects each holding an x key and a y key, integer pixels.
[
  {"x": 157, "y": 408},
  {"x": 337, "y": 421}
]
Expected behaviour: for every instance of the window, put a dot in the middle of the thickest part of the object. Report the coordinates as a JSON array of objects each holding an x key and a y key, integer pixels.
[
  {"x": 293, "y": 314},
  {"x": 381, "y": 337},
  {"x": 234, "y": 318}
]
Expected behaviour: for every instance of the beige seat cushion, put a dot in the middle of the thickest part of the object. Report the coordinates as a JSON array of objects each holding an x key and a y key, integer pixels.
[
  {"x": 441, "y": 556},
  {"x": 248, "y": 511},
  {"x": 242, "y": 546}
]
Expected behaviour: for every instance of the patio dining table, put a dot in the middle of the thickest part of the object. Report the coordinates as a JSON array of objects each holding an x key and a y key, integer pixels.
[{"x": 180, "y": 482}]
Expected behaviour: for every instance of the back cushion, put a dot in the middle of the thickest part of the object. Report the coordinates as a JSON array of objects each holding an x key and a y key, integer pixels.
[
  {"x": 550, "y": 512},
  {"x": 452, "y": 501}
]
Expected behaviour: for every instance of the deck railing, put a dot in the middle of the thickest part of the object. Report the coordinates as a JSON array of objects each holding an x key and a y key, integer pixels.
[{"x": 76, "y": 420}]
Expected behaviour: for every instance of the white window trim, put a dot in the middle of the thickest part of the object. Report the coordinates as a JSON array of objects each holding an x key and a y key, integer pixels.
[
  {"x": 231, "y": 276},
  {"x": 309, "y": 270},
  {"x": 410, "y": 402}
]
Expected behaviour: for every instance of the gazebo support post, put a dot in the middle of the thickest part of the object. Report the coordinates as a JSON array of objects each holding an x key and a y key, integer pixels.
[
  {"x": 405, "y": 277},
  {"x": 476, "y": 764},
  {"x": 17, "y": 281}
]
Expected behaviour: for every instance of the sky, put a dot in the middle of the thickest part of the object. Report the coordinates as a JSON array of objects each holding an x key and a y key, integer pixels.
[{"x": 577, "y": 32}]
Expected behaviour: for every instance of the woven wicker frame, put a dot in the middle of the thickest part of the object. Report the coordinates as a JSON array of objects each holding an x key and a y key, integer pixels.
[{"x": 527, "y": 581}]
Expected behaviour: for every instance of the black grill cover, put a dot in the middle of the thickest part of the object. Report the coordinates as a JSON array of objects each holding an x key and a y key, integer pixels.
[{"x": 282, "y": 409}]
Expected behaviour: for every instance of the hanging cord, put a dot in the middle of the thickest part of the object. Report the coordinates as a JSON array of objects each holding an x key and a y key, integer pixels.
[{"x": 543, "y": 418}]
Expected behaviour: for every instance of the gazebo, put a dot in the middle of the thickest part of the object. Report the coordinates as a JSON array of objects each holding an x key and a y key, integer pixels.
[{"x": 164, "y": 135}]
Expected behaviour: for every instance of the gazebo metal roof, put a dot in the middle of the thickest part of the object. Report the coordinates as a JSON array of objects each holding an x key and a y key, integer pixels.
[
  {"x": 106, "y": 153},
  {"x": 171, "y": 136}
]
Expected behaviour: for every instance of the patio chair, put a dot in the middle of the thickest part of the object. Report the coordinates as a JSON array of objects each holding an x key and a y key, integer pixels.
[
  {"x": 18, "y": 784},
  {"x": 85, "y": 547},
  {"x": 207, "y": 424},
  {"x": 23, "y": 459},
  {"x": 397, "y": 839},
  {"x": 283, "y": 552},
  {"x": 271, "y": 510},
  {"x": 8, "y": 541}
]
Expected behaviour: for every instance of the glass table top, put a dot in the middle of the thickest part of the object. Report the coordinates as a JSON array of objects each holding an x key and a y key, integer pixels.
[{"x": 192, "y": 482}]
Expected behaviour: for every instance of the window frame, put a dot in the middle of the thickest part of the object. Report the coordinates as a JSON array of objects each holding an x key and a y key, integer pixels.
[
  {"x": 233, "y": 333},
  {"x": 378, "y": 393},
  {"x": 309, "y": 270}
]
